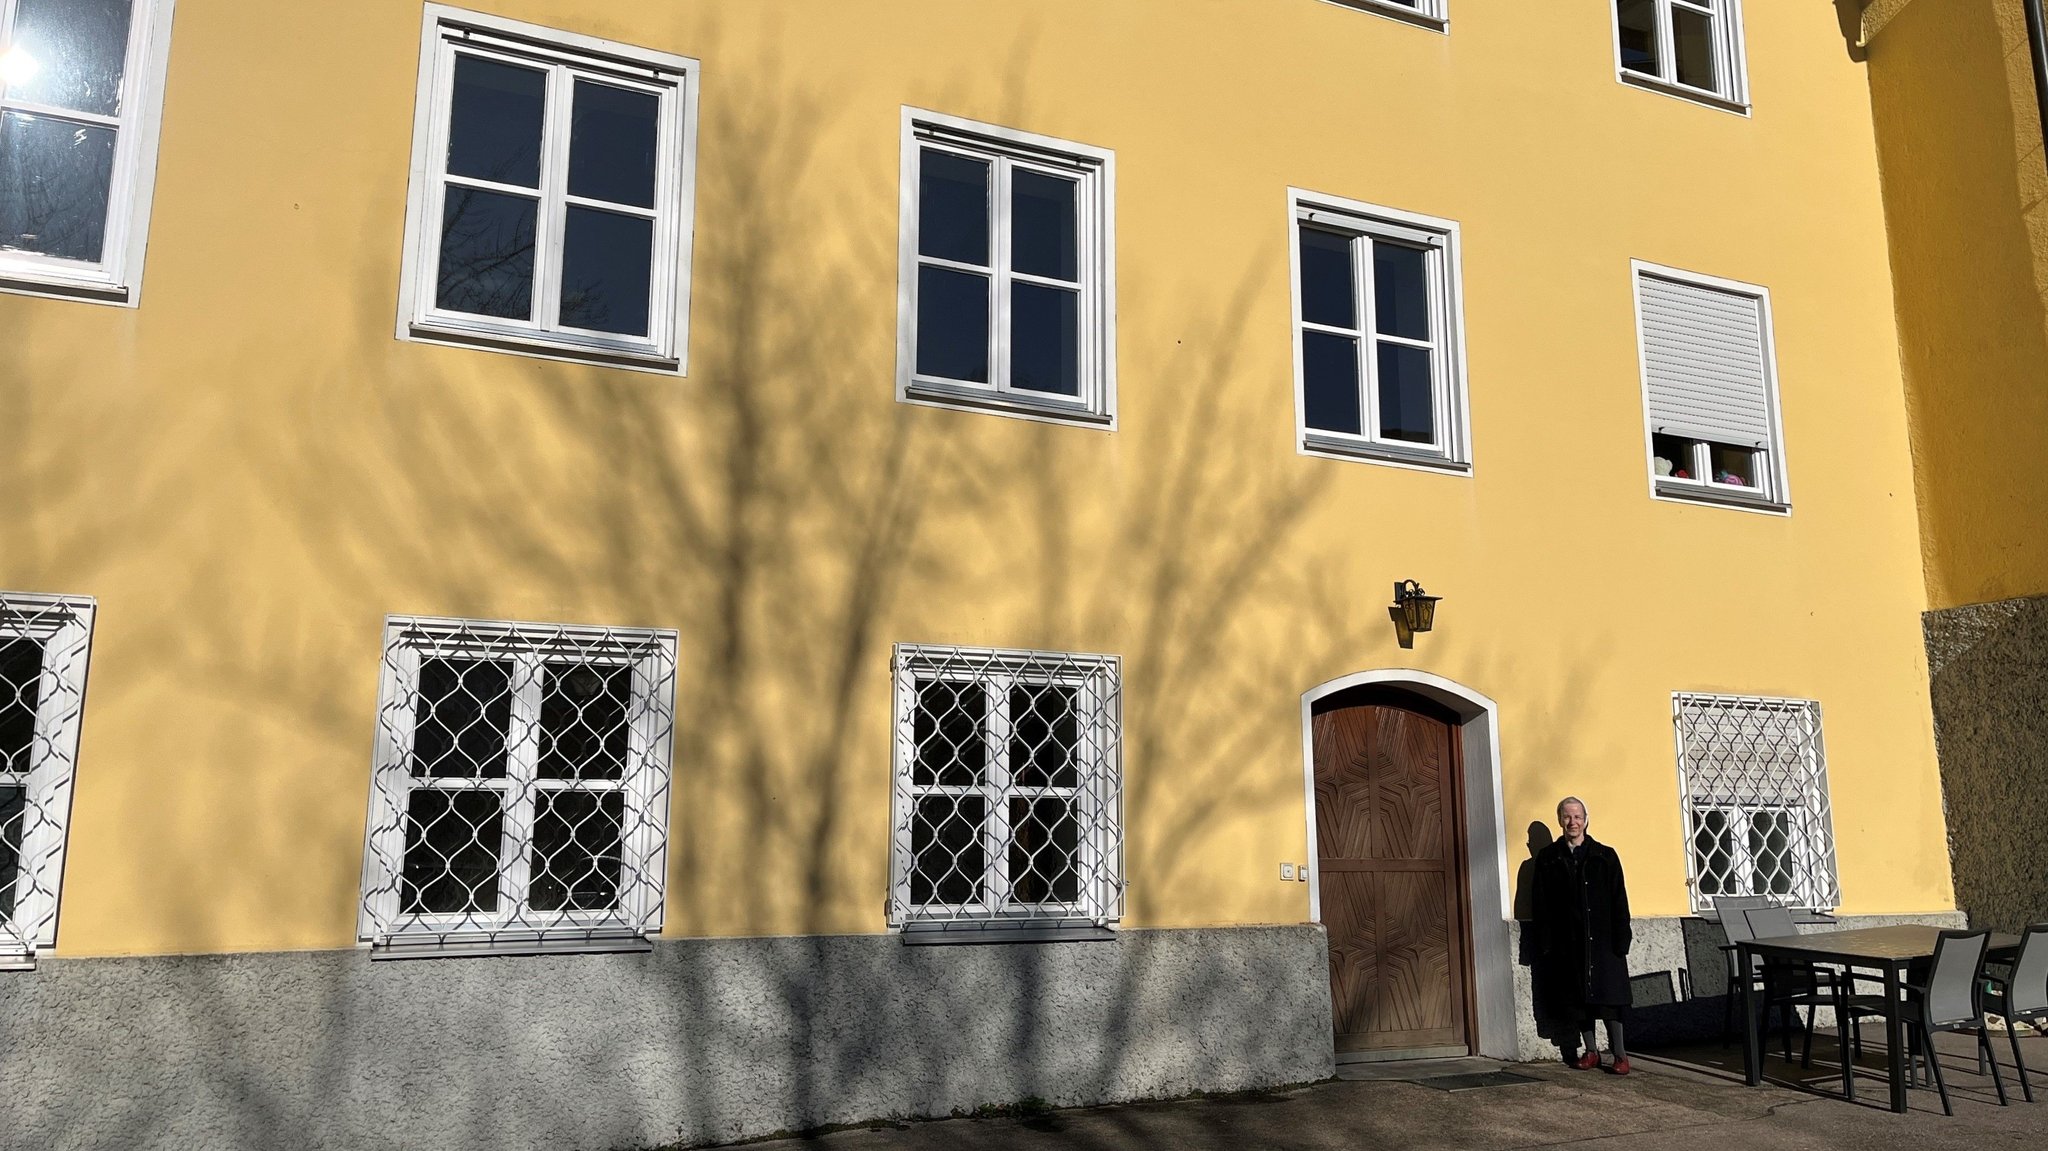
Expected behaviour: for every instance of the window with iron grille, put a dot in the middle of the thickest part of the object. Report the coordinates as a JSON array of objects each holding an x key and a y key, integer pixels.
[
  {"x": 1753, "y": 775},
  {"x": 44, "y": 641},
  {"x": 1690, "y": 48},
  {"x": 521, "y": 786},
  {"x": 1008, "y": 789},
  {"x": 81, "y": 95},
  {"x": 551, "y": 194}
]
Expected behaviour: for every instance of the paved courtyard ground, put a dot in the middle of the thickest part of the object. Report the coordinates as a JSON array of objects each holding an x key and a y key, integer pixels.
[{"x": 1691, "y": 1099}]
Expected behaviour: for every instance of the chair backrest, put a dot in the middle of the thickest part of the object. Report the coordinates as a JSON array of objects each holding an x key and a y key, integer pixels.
[
  {"x": 1954, "y": 982},
  {"x": 2030, "y": 974},
  {"x": 1770, "y": 921},
  {"x": 1734, "y": 921}
]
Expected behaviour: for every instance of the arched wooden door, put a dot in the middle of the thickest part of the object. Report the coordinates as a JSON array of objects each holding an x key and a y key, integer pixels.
[{"x": 1390, "y": 843}]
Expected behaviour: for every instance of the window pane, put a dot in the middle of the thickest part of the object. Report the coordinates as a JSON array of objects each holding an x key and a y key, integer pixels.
[
  {"x": 1045, "y": 841},
  {"x": 460, "y": 721},
  {"x": 13, "y": 805},
  {"x": 54, "y": 180},
  {"x": 1400, "y": 290},
  {"x": 583, "y": 721},
  {"x": 1045, "y": 734},
  {"x": 576, "y": 842},
  {"x": 21, "y": 677},
  {"x": 1326, "y": 282},
  {"x": 1692, "y": 42},
  {"x": 451, "y": 852},
  {"x": 1673, "y": 457},
  {"x": 952, "y": 208},
  {"x": 487, "y": 254},
  {"x": 69, "y": 53},
  {"x": 494, "y": 121},
  {"x": 952, "y": 325},
  {"x": 612, "y": 144},
  {"x": 607, "y": 269},
  {"x": 1770, "y": 852},
  {"x": 1736, "y": 466},
  {"x": 1713, "y": 852},
  {"x": 948, "y": 860},
  {"x": 1045, "y": 339},
  {"x": 1407, "y": 404},
  {"x": 1043, "y": 223},
  {"x": 1638, "y": 30},
  {"x": 949, "y": 729},
  {"x": 1329, "y": 368}
]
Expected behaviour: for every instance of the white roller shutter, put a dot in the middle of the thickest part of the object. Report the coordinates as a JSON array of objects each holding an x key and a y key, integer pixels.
[{"x": 1703, "y": 360}]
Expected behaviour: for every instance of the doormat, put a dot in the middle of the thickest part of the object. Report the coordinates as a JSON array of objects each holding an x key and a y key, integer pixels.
[{"x": 1476, "y": 1081}]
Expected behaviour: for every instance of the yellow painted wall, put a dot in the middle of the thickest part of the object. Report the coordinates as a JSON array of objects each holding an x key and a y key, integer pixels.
[
  {"x": 250, "y": 472},
  {"x": 1966, "y": 186}
]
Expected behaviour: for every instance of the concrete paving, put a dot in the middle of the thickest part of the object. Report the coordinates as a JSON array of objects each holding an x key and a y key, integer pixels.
[{"x": 1686, "y": 1099}]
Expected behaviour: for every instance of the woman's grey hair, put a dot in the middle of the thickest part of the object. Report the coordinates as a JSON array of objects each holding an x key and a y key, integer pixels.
[{"x": 1574, "y": 799}]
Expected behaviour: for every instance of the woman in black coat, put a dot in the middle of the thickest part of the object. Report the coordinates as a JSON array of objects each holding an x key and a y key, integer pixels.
[{"x": 1582, "y": 922}]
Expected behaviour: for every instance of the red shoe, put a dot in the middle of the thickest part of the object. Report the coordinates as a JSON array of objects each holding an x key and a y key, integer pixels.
[
  {"x": 1620, "y": 1067},
  {"x": 1588, "y": 1061}
]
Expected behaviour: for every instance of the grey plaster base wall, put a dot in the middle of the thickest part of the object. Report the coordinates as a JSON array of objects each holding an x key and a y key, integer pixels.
[
  {"x": 1988, "y": 665},
  {"x": 697, "y": 1041}
]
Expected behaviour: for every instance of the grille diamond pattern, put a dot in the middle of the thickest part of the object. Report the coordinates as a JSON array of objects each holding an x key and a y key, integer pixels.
[
  {"x": 44, "y": 642},
  {"x": 1754, "y": 775}
]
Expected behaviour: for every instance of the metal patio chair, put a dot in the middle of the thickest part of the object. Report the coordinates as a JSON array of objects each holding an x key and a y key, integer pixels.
[
  {"x": 2022, "y": 994},
  {"x": 1734, "y": 930},
  {"x": 1952, "y": 999},
  {"x": 1789, "y": 986}
]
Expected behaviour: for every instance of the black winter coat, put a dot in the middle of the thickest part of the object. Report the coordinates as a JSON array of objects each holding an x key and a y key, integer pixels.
[{"x": 1583, "y": 923}]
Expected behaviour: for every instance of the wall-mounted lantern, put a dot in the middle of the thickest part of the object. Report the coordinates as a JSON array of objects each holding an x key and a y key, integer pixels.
[{"x": 1414, "y": 611}]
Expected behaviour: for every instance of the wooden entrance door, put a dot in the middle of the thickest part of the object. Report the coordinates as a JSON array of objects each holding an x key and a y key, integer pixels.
[{"x": 1390, "y": 839}]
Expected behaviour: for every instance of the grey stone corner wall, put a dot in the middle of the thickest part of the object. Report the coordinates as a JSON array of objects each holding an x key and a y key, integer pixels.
[
  {"x": 1988, "y": 669},
  {"x": 697, "y": 1041}
]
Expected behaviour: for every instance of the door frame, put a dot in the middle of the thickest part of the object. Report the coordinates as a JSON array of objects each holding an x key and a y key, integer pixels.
[{"x": 1492, "y": 1029}]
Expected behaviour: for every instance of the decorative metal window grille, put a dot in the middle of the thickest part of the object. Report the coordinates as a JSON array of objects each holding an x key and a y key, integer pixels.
[
  {"x": 1008, "y": 789},
  {"x": 521, "y": 786},
  {"x": 1754, "y": 778},
  {"x": 44, "y": 642}
]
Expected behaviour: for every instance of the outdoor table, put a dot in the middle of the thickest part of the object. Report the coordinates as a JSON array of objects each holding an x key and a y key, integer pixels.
[{"x": 1889, "y": 950}]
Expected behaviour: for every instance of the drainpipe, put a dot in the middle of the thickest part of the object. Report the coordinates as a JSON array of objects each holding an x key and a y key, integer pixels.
[{"x": 2037, "y": 42}]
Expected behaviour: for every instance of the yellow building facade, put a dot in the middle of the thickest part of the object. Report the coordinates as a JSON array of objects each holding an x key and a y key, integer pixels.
[{"x": 258, "y": 468}]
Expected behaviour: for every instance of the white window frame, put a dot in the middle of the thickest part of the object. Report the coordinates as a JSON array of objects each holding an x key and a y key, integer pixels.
[
  {"x": 1431, "y": 14},
  {"x": 117, "y": 276},
  {"x": 1095, "y": 235},
  {"x": 1098, "y": 794},
  {"x": 64, "y": 624},
  {"x": 1452, "y": 451},
  {"x": 566, "y": 55},
  {"x": 1817, "y": 886},
  {"x": 1775, "y": 498},
  {"x": 1731, "y": 59},
  {"x": 647, "y": 783}
]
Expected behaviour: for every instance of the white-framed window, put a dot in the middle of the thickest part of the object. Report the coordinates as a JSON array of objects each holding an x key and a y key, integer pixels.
[
  {"x": 520, "y": 788},
  {"x": 1427, "y": 13},
  {"x": 550, "y": 203},
  {"x": 1753, "y": 780},
  {"x": 1007, "y": 292},
  {"x": 1008, "y": 790},
  {"x": 1690, "y": 48},
  {"x": 44, "y": 643},
  {"x": 1710, "y": 390},
  {"x": 1379, "y": 350},
  {"x": 81, "y": 104}
]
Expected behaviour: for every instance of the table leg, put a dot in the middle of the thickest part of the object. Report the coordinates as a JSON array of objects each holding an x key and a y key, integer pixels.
[
  {"x": 1752, "y": 1058},
  {"x": 1894, "y": 1039},
  {"x": 1842, "y": 1035}
]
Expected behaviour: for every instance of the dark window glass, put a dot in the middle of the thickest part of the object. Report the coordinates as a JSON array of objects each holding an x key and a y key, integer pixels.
[
  {"x": 583, "y": 710},
  {"x": 1045, "y": 841},
  {"x": 1329, "y": 366},
  {"x": 451, "y": 852},
  {"x": 950, "y": 729},
  {"x": 607, "y": 270},
  {"x": 1672, "y": 456},
  {"x": 1637, "y": 20},
  {"x": 952, "y": 325},
  {"x": 13, "y": 805},
  {"x": 946, "y": 846},
  {"x": 612, "y": 143},
  {"x": 460, "y": 722},
  {"x": 1692, "y": 43},
  {"x": 1044, "y": 223},
  {"x": 487, "y": 254},
  {"x": 79, "y": 47},
  {"x": 576, "y": 847},
  {"x": 1407, "y": 409},
  {"x": 55, "y": 177},
  {"x": 952, "y": 208},
  {"x": 21, "y": 678},
  {"x": 1045, "y": 339},
  {"x": 1045, "y": 732},
  {"x": 494, "y": 122},
  {"x": 1400, "y": 290},
  {"x": 1326, "y": 282}
]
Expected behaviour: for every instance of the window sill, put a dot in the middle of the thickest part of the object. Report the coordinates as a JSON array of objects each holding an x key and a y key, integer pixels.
[
  {"x": 1681, "y": 92},
  {"x": 431, "y": 947},
  {"x": 83, "y": 289},
  {"x": 1696, "y": 494},
  {"x": 457, "y": 337},
  {"x": 1342, "y": 448},
  {"x": 1400, "y": 12},
  {"x": 986, "y": 931},
  {"x": 933, "y": 394},
  {"x": 17, "y": 961}
]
